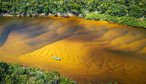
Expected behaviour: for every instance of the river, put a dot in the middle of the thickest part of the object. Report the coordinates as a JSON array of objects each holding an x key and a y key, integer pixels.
[{"x": 91, "y": 52}]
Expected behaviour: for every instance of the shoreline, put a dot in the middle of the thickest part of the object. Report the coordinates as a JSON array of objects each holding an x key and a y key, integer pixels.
[
  {"x": 125, "y": 20},
  {"x": 67, "y": 15}
]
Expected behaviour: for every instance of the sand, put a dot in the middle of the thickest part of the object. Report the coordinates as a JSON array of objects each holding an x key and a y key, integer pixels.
[{"x": 90, "y": 51}]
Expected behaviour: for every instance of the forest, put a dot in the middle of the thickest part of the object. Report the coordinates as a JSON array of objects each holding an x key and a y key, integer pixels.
[{"x": 131, "y": 8}]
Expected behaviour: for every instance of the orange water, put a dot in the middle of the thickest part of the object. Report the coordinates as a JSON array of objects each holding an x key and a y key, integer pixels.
[{"x": 90, "y": 51}]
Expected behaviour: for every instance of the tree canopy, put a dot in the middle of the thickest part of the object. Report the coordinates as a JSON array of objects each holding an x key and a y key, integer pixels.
[{"x": 133, "y": 8}]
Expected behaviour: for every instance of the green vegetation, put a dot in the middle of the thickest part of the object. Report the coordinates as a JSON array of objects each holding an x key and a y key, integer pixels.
[
  {"x": 16, "y": 74},
  {"x": 131, "y": 21},
  {"x": 117, "y": 11},
  {"x": 132, "y": 8}
]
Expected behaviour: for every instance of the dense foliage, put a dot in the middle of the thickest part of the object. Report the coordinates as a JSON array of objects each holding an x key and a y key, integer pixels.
[
  {"x": 133, "y": 8},
  {"x": 15, "y": 74},
  {"x": 118, "y": 11},
  {"x": 131, "y": 21}
]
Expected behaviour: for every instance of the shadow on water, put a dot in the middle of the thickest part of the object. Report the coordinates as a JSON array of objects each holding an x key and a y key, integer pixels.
[
  {"x": 35, "y": 34},
  {"x": 39, "y": 35},
  {"x": 21, "y": 28},
  {"x": 5, "y": 33},
  {"x": 112, "y": 39},
  {"x": 30, "y": 30}
]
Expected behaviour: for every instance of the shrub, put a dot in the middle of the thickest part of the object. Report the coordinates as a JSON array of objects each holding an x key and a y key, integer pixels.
[
  {"x": 135, "y": 11},
  {"x": 16, "y": 74},
  {"x": 116, "y": 10},
  {"x": 131, "y": 21}
]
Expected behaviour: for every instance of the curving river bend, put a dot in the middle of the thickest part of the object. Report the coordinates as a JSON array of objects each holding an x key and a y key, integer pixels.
[{"x": 90, "y": 51}]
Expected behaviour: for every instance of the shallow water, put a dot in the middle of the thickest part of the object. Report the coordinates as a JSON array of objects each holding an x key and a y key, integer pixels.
[{"x": 90, "y": 51}]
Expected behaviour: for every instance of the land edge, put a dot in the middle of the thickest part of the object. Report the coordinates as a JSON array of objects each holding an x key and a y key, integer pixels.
[
  {"x": 45, "y": 15},
  {"x": 138, "y": 22}
]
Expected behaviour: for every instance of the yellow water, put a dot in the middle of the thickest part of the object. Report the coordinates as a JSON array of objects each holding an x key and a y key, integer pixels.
[{"x": 90, "y": 51}]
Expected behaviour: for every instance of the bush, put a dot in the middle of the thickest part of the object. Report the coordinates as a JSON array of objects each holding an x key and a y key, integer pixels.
[
  {"x": 135, "y": 11},
  {"x": 16, "y": 74},
  {"x": 131, "y": 21},
  {"x": 116, "y": 10}
]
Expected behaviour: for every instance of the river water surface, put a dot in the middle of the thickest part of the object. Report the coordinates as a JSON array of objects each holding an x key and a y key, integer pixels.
[{"x": 91, "y": 52}]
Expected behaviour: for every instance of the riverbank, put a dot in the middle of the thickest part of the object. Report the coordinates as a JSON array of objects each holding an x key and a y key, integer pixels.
[
  {"x": 125, "y": 20},
  {"x": 43, "y": 15}
]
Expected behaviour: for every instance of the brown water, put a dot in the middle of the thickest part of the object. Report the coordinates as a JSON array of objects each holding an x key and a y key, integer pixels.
[{"x": 91, "y": 51}]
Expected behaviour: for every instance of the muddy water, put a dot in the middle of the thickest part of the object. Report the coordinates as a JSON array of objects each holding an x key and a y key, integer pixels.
[{"x": 90, "y": 51}]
